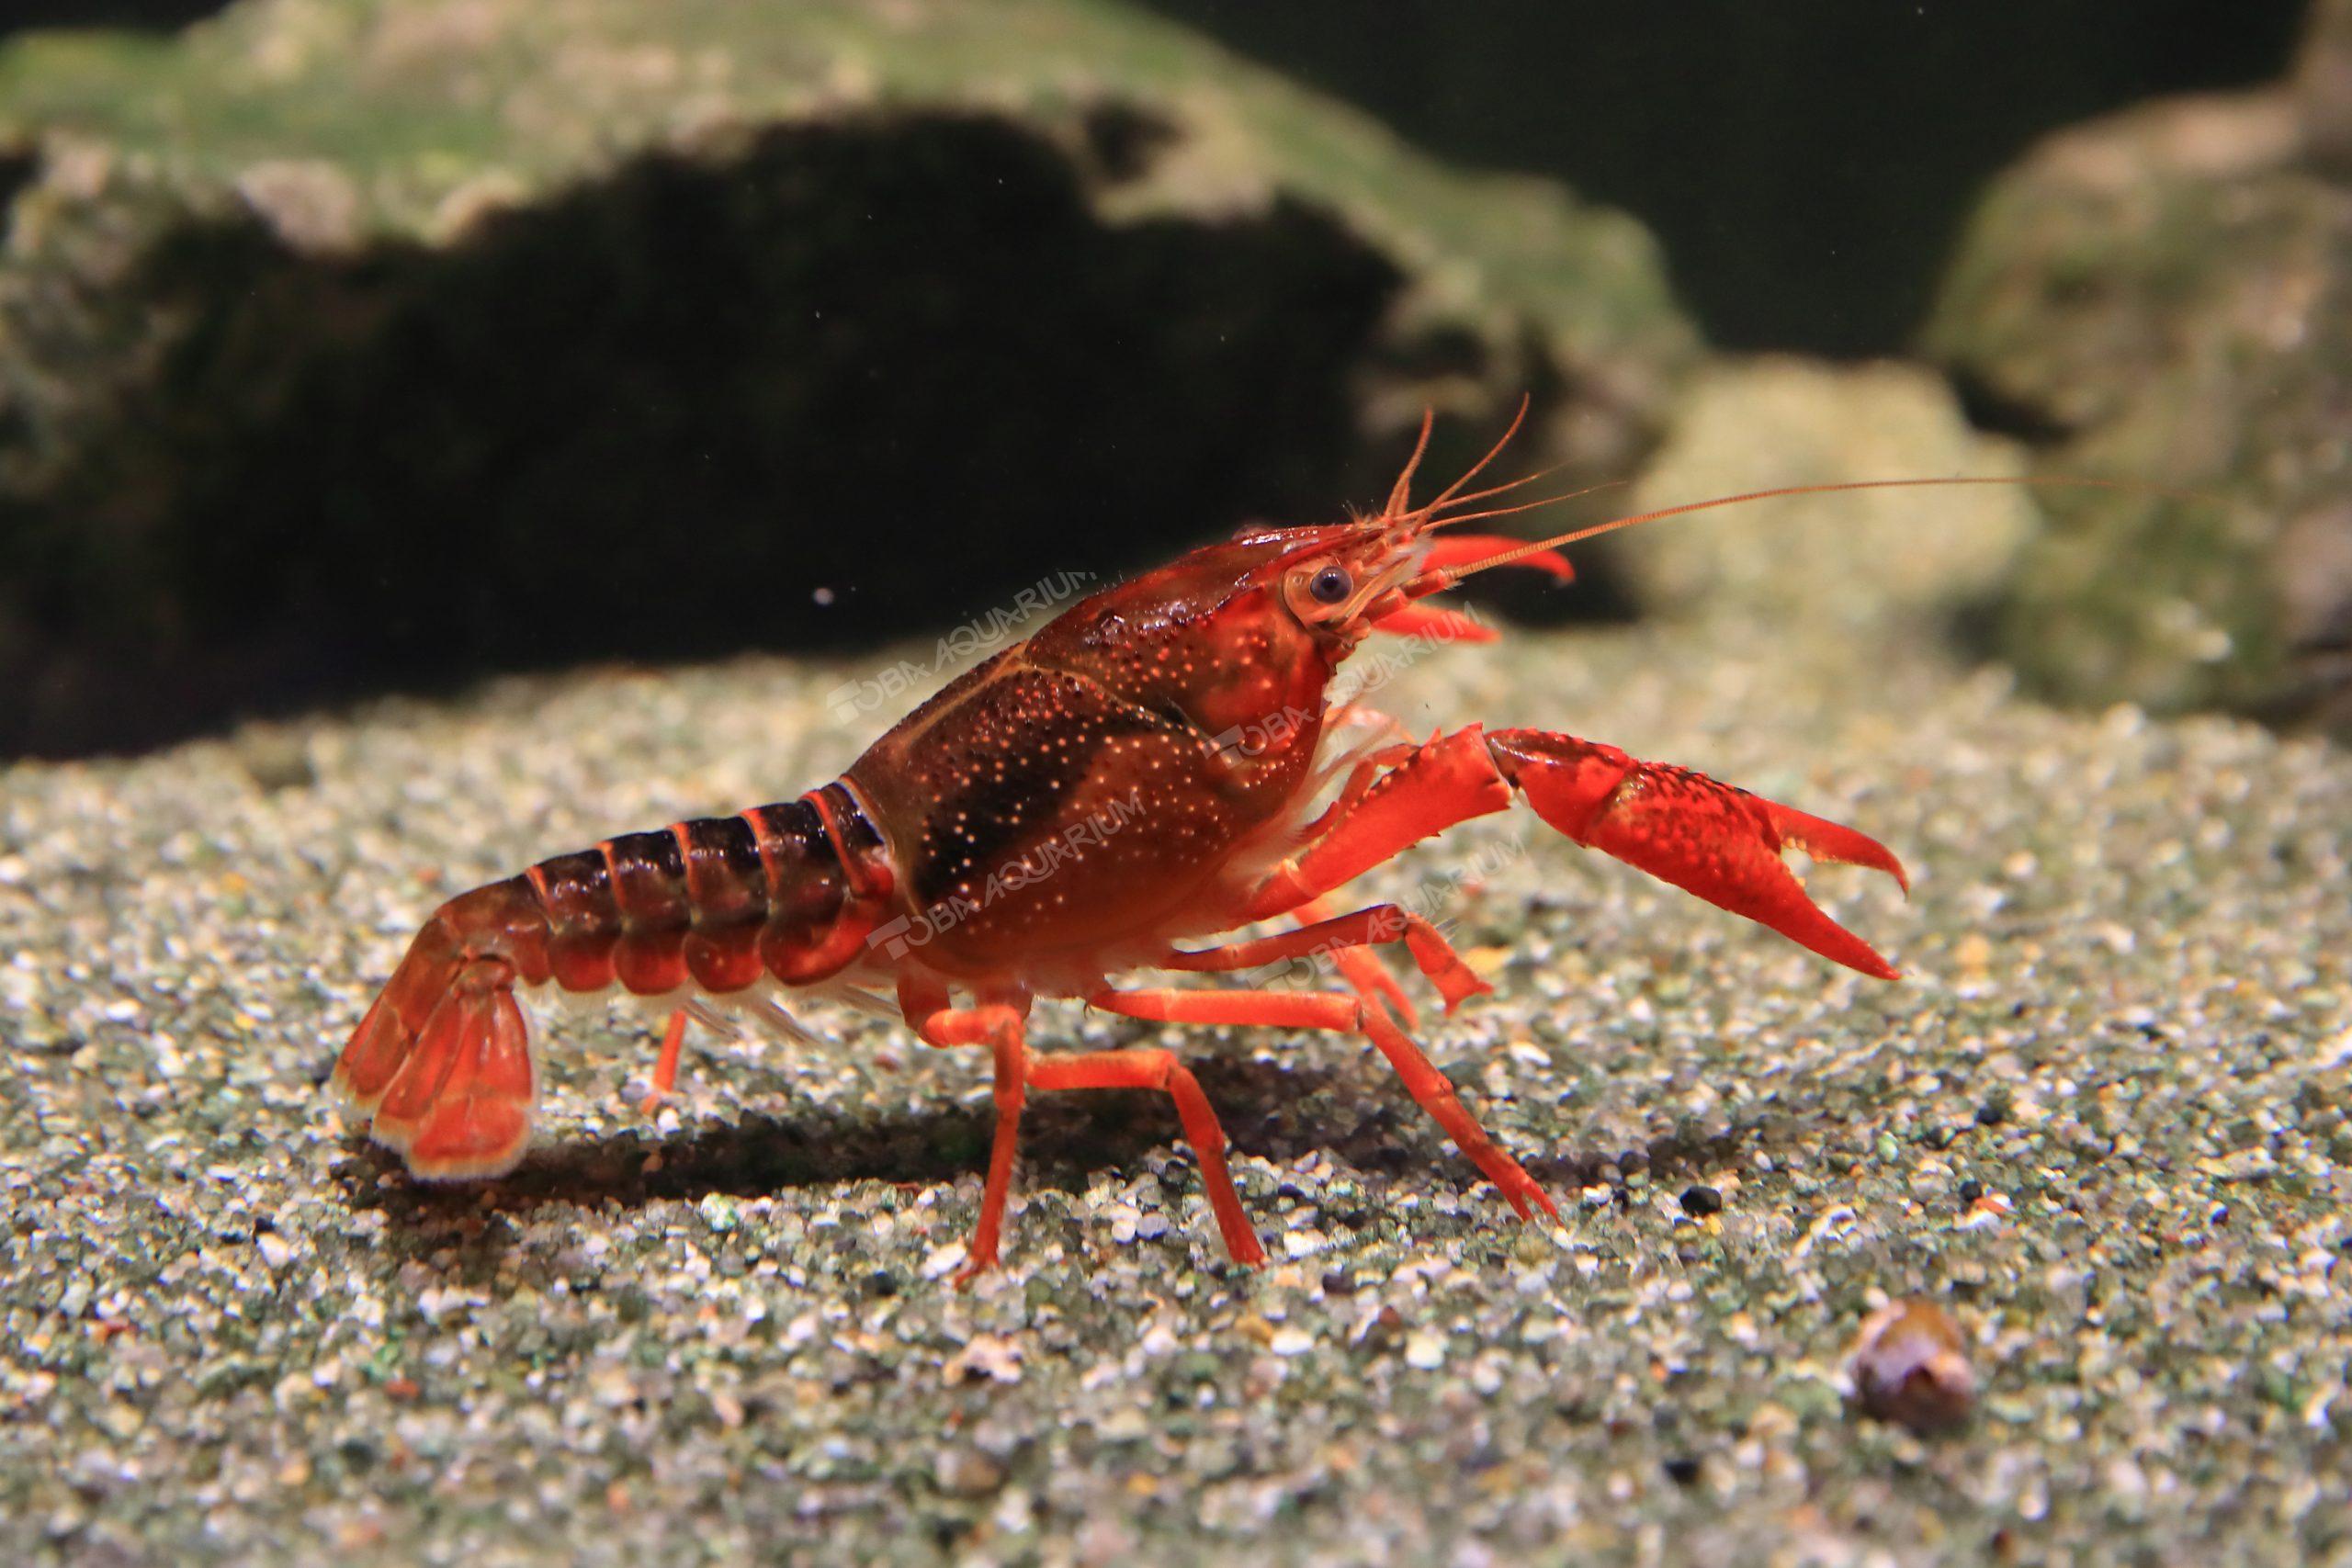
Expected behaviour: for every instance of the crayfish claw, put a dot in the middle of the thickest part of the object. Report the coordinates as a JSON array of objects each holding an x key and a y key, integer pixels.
[
  {"x": 1833, "y": 842},
  {"x": 1705, "y": 837}
]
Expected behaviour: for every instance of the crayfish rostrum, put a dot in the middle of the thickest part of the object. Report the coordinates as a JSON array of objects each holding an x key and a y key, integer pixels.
[{"x": 1157, "y": 766}]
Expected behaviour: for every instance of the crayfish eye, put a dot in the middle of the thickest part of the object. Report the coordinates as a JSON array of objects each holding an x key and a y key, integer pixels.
[{"x": 1332, "y": 585}]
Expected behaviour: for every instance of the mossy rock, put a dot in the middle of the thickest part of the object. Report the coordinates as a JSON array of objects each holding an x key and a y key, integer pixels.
[
  {"x": 2165, "y": 298},
  {"x": 346, "y": 342}
]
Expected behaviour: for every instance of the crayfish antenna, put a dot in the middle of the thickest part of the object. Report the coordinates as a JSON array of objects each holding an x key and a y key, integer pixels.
[
  {"x": 1474, "y": 470},
  {"x": 1505, "y": 488},
  {"x": 1402, "y": 491},
  {"x": 1432, "y": 581}
]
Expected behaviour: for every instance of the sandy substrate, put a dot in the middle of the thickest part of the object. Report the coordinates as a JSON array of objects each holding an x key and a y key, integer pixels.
[{"x": 2104, "y": 1118}]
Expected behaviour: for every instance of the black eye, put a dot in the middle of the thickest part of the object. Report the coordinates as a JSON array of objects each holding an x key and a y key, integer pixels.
[{"x": 1332, "y": 585}]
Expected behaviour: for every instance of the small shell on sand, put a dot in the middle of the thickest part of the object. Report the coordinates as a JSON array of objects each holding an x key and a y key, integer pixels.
[{"x": 1910, "y": 1365}]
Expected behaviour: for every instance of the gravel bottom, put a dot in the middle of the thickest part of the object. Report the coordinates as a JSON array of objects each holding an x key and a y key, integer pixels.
[{"x": 2103, "y": 1119}]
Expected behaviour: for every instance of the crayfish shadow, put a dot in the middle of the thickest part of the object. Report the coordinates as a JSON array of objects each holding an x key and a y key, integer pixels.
[
  {"x": 1667, "y": 1159},
  {"x": 1276, "y": 1110}
]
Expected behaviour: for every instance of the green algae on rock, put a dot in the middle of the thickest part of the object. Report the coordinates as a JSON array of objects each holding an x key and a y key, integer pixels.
[{"x": 2165, "y": 298}]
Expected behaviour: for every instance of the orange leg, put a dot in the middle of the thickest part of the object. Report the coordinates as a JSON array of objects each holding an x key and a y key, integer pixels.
[
  {"x": 1147, "y": 1067},
  {"x": 1366, "y": 1016},
  {"x": 1001, "y": 1027},
  {"x": 1363, "y": 971},
  {"x": 1362, "y": 777},
  {"x": 1345, "y": 938},
  {"x": 665, "y": 1065},
  {"x": 1366, "y": 973}
]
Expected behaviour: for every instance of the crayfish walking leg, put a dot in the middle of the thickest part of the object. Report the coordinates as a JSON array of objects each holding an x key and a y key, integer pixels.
[
  {"x": 1003, "y": 1027},
  {"x": 1358, "y": 1015},
  {"x": 1346, "y": 937},
  {"x": 1000, "y": 1025}
]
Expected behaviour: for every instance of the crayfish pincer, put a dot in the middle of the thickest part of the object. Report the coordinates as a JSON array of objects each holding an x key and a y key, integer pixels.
[{"x": 1157, "y": 768}]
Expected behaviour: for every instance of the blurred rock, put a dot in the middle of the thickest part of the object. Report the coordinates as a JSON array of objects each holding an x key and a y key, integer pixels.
[
  {"x": 2165, "y": 298},
  {"x": 1878, "y": 560},
  {"x": 346, "y": 343},
  {"x": 2323, "y": 88}
]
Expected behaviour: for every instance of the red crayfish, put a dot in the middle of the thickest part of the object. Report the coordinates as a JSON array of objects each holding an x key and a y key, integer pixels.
[{"x": 1154, "y": 767}]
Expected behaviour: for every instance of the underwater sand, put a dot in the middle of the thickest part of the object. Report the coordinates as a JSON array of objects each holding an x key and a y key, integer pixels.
[{"x": 2106, "y": 1118}]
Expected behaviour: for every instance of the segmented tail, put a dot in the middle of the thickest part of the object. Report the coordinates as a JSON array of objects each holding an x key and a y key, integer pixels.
[{"x": 442, "y": 1064}]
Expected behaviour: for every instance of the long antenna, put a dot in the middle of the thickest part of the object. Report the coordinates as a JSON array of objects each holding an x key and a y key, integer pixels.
[{"x": 1443, "y": 577}]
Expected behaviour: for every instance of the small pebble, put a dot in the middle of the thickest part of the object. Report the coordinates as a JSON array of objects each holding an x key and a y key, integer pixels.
[{"x": 964, "y": 1472}]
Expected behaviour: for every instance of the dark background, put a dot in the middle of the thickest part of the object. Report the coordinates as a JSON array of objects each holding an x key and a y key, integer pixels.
[{"x": 1806, "y": 164}]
